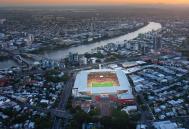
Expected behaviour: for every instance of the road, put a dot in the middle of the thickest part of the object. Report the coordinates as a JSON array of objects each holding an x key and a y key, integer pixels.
[{"x": 63, "y": 101}]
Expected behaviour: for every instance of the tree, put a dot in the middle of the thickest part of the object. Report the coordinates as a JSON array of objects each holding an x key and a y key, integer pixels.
[
  {"x": 43, "y": 122},
  {"x": 94, "y": 112},
  {"x": 120, "y": 120},
  {"x": 106, "y": 121},
  {"x": 52, "y": 76},
  {"x": 79, "y": 118}
]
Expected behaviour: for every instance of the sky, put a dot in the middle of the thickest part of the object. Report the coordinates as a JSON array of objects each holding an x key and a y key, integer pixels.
[{"x": 90, "y": 2}]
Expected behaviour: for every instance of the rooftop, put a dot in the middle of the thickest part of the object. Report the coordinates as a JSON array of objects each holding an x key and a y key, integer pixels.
[{"x": 101, "y": 81}]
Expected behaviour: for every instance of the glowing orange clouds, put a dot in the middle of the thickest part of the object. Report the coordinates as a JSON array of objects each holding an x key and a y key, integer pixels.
[{"x": 93, "y": 1}]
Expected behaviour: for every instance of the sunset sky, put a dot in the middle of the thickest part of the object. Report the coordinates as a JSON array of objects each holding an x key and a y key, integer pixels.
[{"x": 75, "y": 2}]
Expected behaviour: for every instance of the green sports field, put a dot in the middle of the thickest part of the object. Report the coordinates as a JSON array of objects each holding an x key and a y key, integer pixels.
[{"x": 102, "y": 84}]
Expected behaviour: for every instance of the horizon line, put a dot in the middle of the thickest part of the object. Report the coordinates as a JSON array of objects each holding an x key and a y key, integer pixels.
[{"x": 63, "y": 5}]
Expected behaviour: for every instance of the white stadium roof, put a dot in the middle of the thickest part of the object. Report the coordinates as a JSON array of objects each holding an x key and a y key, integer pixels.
[{"x": 82, "y": 85}]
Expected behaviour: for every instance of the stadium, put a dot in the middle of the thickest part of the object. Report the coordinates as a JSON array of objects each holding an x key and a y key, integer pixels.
[
  {"x": 102, "y": 82},
  {"x": 102, "y": 79}
]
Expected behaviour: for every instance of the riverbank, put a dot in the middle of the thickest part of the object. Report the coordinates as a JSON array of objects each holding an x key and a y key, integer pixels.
[
  {"x": 81, "y": 49},
  {"x": 7, "y": 63},
  {"x": 58, "y": 46},
  {"x": 2, "y": 58},
  {"x": 60, "y": 53}
]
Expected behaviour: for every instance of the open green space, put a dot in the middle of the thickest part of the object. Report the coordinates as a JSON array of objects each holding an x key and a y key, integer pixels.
[{"x": 102, "y": 84}]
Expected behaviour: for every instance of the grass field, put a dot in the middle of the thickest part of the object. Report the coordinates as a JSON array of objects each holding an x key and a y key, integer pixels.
[{"x": 102, "y": 84}]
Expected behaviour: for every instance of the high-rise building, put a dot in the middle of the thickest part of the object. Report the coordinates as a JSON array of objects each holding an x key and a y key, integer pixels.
[
  {"x": 156, "y": 42},
  {"x": 73, "y": 58}
]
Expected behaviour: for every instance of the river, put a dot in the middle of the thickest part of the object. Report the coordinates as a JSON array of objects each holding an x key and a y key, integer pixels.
[
  {"x": 62, "y": 53},
  {"x": 7, "y": 63}
]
